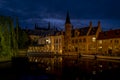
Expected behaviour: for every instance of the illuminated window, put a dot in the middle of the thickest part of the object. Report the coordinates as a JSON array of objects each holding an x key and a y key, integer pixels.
[
  {"x": 100, "y": 47},
  {"x": 100, "y": 42},
  {"x": 48, "y": 41},
  {"x": 94, "y": 39}
]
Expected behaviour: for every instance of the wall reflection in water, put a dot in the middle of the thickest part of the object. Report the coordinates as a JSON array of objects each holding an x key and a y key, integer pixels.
[{"x": 74, "y": 68}]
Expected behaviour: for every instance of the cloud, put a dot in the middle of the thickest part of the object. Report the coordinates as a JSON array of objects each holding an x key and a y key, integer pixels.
[
  {"x": 32, "y": 20},
  {"x": 2, "y": 3},
  {"x": 43, "y": 11},
  {"x": 15, "y": 11},
  {"x": 54, "y": 20}
]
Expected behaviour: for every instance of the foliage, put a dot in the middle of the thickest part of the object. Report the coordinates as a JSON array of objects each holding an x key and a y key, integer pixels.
[
  {"x": 11, "y": 38},
  {"x": 8, "y": 43},
  {"x": 21, "y": 36}
]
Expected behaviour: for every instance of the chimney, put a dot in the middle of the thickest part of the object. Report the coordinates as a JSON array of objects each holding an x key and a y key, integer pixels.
[
  {"x": 90, "y": 24},
  {"x": 98, "y": 23}
]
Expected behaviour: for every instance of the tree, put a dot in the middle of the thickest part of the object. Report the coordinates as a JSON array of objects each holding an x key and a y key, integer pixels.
[
  {"x": 8, "y": 42},
  {"x": 21, "y": 36}
]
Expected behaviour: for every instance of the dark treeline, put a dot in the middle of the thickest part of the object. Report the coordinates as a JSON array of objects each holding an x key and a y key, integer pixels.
[
  {"x": 12, "y": 37},
  {"x": 21, "y": 36}
]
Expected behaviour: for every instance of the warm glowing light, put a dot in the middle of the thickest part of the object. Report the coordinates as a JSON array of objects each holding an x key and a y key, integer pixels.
[
  {"x": 110, "y": 47},
  {"x": 48, "y": 41},
  {"x": 100, "y": 47},
  {"x": 60, "y": 50},
  {"x": 94, "y": 39},
  {"x": 100, "y": 42}
]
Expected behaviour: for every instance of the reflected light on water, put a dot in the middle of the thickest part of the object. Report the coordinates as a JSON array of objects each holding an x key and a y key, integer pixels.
[{"x": 75, "y": 68}]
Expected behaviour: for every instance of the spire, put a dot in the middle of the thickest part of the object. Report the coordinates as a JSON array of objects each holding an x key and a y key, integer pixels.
[{"x": 67, "y": 18}]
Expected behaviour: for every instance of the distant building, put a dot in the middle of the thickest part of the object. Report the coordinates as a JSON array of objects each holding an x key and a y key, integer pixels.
[
  {"x": 52, "y": 43},
  {"x": 40, "y": 32},
  {"x": 48, "y": 40},
  {"x": 80, "y": 40},
  {"x": 108, "y": 42},
  {"x": 74, "y": 41}
]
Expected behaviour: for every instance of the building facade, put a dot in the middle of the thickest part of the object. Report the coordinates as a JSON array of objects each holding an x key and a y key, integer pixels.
[
  {"x": 80, "y": 40},
  {"x": 74, "y": 41},
  {"x": 108, "y": 42},
  {"x": 53, "y": 44}
]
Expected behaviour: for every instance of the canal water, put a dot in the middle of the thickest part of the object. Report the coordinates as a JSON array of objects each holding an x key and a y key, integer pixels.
[{"x": 60, "y": 68}]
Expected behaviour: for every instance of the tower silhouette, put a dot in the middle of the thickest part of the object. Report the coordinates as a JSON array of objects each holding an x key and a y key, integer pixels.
[{"x": 68, "y": 28}]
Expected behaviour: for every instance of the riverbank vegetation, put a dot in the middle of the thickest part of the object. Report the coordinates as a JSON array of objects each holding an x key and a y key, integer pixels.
[{"x": 12, "y": 37}]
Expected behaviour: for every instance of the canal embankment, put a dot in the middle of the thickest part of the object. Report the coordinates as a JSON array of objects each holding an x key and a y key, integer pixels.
[{"x": 102, "y": 57}]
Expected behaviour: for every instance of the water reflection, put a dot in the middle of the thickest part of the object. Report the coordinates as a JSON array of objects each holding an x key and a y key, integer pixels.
[{"x": 74, "y": 68}]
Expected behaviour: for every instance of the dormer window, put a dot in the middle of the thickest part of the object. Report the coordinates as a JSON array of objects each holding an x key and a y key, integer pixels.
[
  {"x": 76, "y": 33},
  {"x": 105, "y": 34},
  {"x": 117, "y": 32}
]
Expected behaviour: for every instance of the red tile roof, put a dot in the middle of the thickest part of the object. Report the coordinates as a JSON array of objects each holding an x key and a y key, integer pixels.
[{"x": 109, "y": 34}]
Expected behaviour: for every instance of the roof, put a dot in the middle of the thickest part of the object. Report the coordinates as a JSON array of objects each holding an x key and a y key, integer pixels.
[
  {"x": 41, "y": 32},
  {"x": 93, "y": 31},
  {"x": 109, "y": 34},
  {"x": 83, "y": 31},
  {"x": 59, "y": 33}
]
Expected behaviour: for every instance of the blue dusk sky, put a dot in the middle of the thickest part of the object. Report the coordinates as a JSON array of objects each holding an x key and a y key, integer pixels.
[{"x": 81, "y": 12}]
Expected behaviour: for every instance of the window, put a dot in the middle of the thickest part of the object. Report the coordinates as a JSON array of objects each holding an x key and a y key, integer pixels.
[
  {"x": 100, "y": 41},
  {"x": 117, "y": 32},
  {"x": 84, "y": 40},
  {"x": 48, "y": 41},
  {"x": 76, "y": 41},
  {"x": 72, "y": 41},
  {"x": 94, "y": 39},
  {"x": 105, "y": 34},
  {"x": 80, "y": 40},
  {"x": 111, "y": 41},
  {"x": 59, "y": 40},
  {"x": 56, "y": 40},
  {"x": 116, "y": 41},
  {"x": 100, "y": 48},
  {"x": 76, "y": 34},
  {"x": 76, "y": 49}
]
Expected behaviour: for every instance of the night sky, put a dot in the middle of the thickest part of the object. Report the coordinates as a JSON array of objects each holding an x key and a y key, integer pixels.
[{"x": 81, "y": 12}]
